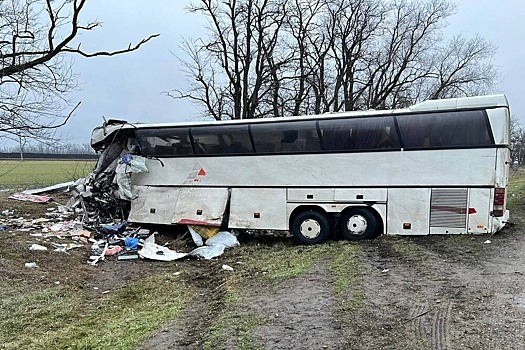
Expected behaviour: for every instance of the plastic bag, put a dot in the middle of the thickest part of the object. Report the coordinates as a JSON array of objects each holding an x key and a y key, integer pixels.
[{"x": 224, "y": 238}]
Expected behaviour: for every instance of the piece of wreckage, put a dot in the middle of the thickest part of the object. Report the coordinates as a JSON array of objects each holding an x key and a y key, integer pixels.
[
  {"x": 113, "y": 191},
  {"x": 106, "y": 197}
]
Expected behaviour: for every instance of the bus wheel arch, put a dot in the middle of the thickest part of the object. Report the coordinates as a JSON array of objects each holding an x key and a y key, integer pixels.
[
  {"x": 360, "y": 223},
  {"x": 310, "y": 225}
]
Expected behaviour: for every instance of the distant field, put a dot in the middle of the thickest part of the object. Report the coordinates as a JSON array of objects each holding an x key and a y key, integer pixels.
[{"x": 33, "y": 173}]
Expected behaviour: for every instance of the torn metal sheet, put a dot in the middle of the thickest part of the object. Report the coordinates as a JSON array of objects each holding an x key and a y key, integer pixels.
[
  {"x": 128, "y": 164},
  {"x": 57, "y": 187}
]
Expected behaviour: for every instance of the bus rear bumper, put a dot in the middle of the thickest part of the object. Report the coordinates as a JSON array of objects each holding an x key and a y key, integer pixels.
[{"x": 500, "y": 222}]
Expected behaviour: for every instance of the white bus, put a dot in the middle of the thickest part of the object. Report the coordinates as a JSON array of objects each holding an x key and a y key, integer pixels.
[{"x": 438, "y": 167}]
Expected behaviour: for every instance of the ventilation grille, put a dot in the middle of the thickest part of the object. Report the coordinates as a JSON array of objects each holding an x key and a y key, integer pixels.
[{"x": 448, "y": 208}]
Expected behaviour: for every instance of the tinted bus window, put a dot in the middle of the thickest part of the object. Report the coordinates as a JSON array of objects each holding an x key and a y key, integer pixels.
[
  {"x": 286, "y": 137},
  {"x": 221, "y": 140},
  {"x": 359, "y": 134},
  {"x": 164, "y": 142},
  {"x": 445, "y": 130}
]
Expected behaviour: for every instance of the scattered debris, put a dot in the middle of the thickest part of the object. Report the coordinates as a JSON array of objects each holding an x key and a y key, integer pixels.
[
  {"x": 37, "y": 247},
  {"x": 97, "y": 215},
  {"x": 225, "y": 238},
  {"x": 131, "y": 243},
  {"x": 113, "y": 250},
  {"x": 153, "y": 251},
  {"x": 94, "y": 259},
  {"x": 227, "y": 267},
  {"x": 128, "y": 257},
  {"x": 208, "y": 252},
  {"x": 30, "y": 198}
]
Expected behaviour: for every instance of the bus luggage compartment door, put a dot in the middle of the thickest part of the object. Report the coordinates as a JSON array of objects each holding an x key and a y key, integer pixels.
[
  {"x": 153, "y": 205},
  {"x": 200, "y": 205},
  {"x": 258, "y": 208},
  {"x": 408, "y": 211}
]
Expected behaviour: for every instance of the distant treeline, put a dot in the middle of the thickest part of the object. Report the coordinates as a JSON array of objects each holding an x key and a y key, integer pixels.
[{"x": 80, "y": 156}]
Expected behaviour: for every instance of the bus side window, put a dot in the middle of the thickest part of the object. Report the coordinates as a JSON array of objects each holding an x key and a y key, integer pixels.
[
  {"x": 286, "y": 137},
  {"x": 264, "y": 147},
  {"x": 222, "y": 140},
  {"x": 445, "y": 130}
]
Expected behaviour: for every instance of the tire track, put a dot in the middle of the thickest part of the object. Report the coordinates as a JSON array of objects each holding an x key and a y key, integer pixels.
[
  {"x": 439, "y": 328},
  {"x": 419, "y": 326}
]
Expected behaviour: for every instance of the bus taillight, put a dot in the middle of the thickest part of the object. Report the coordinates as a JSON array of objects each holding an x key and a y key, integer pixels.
[{"x": 499, "y": 201}]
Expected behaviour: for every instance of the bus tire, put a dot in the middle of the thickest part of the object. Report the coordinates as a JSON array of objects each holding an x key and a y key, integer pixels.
[
  {"x": 310, "y": 227},
  {"x": 359, "y": 224}
]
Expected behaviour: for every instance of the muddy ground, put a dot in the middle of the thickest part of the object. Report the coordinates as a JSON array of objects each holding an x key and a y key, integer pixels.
[{"x": 431, "y": 292}]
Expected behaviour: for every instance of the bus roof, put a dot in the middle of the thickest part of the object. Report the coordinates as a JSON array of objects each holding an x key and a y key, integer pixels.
[{"x": 101, "y": 133}]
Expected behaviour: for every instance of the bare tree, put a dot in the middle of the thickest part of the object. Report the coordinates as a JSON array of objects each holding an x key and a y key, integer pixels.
[
  {"x": 517, "y": 141},
  {"x": 234, "y": 71},
  {"x": 268, "y": 58},
  {"x": 462, "y": 68},
  {"x": 37, "y": 37}
]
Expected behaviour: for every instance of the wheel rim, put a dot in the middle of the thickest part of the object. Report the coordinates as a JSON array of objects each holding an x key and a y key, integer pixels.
[
  {"x": 357, "y": 225},
  {"x": 310, "y": 228}
]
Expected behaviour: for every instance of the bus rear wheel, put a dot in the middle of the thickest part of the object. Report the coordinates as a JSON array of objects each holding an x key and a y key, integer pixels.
[
  {"x": 310, "y": 227},
  {"x": 359, "y": 224}
]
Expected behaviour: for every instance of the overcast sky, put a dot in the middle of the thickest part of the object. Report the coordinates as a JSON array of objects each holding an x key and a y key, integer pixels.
[{"x": 130, "y": 86}]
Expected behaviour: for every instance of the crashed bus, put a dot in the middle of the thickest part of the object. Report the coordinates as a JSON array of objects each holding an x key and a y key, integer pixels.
[{"x": 437, "y": 167}]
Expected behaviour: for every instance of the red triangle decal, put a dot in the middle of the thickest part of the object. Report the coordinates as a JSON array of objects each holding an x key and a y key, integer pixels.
[{"x": 201, "y": 172}]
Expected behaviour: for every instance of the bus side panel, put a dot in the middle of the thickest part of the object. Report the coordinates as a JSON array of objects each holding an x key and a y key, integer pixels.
[
  {"x": 500, "y": 124},
  {"x": 424, "y": 168},
  {"x": 155, "y": 205},
  {"x": 200, "y": 204},
  {"x": 502, "y": 167},
  {"x": 479, "y": 201},
  {"x": 258, "y": 208},
  {"x": 408, "y": 211},
  {"x": 502, "y": 181}
]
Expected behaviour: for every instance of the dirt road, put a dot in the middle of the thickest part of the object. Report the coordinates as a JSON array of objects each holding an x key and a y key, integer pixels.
[{"x": 444, "y": 292}]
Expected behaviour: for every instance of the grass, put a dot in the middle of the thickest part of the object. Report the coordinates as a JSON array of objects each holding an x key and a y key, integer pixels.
[
  {"x": 283, "y": 260},
  {"x": 516, "y": 195},
  {"x": 33, "y": 173},
  {"x": 59, "y": 318}
]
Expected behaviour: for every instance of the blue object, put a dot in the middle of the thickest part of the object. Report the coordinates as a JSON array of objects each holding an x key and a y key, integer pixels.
[
  {"x": 126, "y": 158},
  {"x": 118, "y": 228},
  {"x": 131, "y": 243},
  {"x": 3, "y": 228}
]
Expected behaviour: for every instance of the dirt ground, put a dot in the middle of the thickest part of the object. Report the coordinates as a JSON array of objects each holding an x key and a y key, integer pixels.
[
  {"x": 430, "y": 292},
  {"x": 437, "y": 292}
]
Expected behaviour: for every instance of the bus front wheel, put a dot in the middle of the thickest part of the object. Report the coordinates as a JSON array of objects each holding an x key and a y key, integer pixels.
[
  {"x": 311, "y": 227},
  {"x": 359, "y": 224}
]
